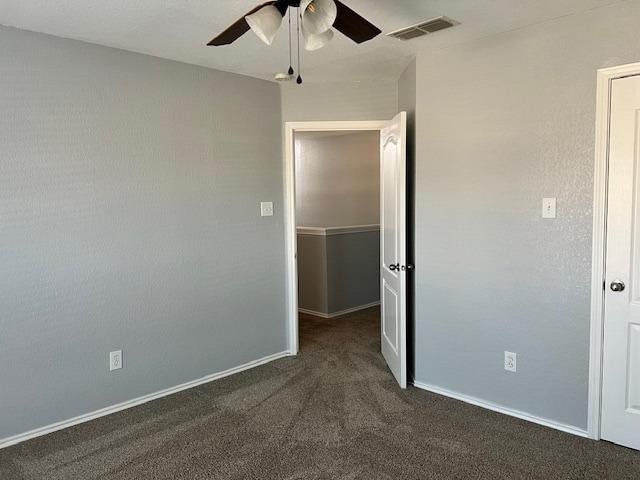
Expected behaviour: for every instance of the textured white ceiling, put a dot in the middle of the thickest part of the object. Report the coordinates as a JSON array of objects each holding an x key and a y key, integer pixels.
[{"x": 180, "y": 29}]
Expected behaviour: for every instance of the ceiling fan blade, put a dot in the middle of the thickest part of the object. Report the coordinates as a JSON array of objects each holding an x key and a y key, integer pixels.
[
  {"x": 353, "y": 25},
  {"x": 240, "y": 27}
]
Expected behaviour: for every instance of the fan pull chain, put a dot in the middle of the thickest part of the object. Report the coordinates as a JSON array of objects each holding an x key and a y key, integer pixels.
[
  {"x": 299, "y": 79},
  {"x": 290, "y": 72}
]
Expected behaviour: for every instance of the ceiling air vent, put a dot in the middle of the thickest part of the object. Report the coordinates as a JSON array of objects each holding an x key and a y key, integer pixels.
[{"x": 423, "y": 28}]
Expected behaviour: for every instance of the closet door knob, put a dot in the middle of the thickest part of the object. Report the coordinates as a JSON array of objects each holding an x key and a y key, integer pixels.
[{"x": 617, "y": 286}]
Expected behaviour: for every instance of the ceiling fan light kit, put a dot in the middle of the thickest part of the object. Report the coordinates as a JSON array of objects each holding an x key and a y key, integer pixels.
[
  {"x": 265, "y": 23},
  {"x": 314, "y": 21},
  {"x": 316, "y": 41},
  {"x": 318, "y": 16}
]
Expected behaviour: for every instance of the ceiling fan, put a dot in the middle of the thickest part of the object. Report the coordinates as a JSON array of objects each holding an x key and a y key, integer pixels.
[{"x": 315, "y": 21}]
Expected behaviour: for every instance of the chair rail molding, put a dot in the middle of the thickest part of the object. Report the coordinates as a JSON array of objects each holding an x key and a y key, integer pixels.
[{"x": 331, "y": 231}]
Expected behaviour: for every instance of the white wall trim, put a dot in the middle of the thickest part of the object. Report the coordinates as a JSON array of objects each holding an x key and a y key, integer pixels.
[
  {"x": 291, "y": 238},
  {"x": 331, "y": 231},
  {"x": 500, "y": 409},
  {"x": 601, "y": 170},
  {"x": 38, "y": 432},
  {"x": 291, "y": 280},
  {"x": 336, "y": 126},
  {"x": 341, "y": 312}
]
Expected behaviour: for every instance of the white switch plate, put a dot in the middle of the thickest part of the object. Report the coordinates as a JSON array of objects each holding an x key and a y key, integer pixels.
[
  {"x": 548, "y": 208},
  {"x": 510, "y": 361},
  {"x": 266, "y": 209},
  {"x": 115, "y": 360}
]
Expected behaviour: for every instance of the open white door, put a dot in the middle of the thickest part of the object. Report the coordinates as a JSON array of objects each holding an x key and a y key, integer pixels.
[
  {"x": 621, "y": 359},
  {"x": 393, "y": 269}
]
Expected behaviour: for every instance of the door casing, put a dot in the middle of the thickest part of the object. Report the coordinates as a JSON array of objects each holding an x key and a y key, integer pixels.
[{"x": 600, "y": 195}]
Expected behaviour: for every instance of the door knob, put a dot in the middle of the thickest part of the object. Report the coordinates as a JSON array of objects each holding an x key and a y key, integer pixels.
[
  {"x": 398, "y": 267},
  {"x": 617, "y": 286}
]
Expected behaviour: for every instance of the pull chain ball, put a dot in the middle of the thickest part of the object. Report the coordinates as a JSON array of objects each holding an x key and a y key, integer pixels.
[
  {"x": 299, "y": 80},
  {"x": 290, "y": 71}
]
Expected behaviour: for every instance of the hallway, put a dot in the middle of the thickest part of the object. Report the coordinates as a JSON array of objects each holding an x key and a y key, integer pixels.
[{"x": 332, "y": 412}]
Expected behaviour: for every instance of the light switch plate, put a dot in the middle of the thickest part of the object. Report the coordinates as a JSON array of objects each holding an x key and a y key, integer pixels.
[
  {"x": 266, "y": 209},
  {"x": 548, "y": 208}
]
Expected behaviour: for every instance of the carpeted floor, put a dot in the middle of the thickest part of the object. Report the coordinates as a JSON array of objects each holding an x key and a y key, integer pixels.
[{"x": 332, "y": 412}]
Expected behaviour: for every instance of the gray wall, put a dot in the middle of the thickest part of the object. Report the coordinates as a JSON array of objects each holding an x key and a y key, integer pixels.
[
  {"x": 353, "y": 270},
  {"x": 407, "y": 99},
  {"x": 338, "y": 272},
  {"x": 312, "y": 273},
  {"x": 339, "y": 101},
  {"x": 502, "y": 123},
  {"x": 337, "y": 179},
  {"x": 129, "y": 207}
]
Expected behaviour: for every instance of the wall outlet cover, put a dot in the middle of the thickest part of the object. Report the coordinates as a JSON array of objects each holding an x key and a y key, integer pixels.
[
  {"x": 266, "y": 209},
  {"x": 115, "y": 360},
  {"x": 510, "y": 361}
]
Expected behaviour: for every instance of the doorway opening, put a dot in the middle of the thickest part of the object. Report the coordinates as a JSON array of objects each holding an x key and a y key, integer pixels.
[
  {"x": 324, "y": 223},
  {"x": 337, "y": 176}
]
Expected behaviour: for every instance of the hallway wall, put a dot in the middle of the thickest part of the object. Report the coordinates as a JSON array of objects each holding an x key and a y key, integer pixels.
[
  {"x": 337, "y": 179},
  {"x": 338, "y": 269},
  {"x": 337, "y": 189}
]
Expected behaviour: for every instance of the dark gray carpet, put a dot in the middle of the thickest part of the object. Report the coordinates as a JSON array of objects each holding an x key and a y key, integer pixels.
[{"x": 332, "y": 412}]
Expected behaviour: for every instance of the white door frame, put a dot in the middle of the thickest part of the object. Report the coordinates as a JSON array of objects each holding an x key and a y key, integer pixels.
[
  {"x": 600, "y": 177},
  {"x": 290, "y": 208}
]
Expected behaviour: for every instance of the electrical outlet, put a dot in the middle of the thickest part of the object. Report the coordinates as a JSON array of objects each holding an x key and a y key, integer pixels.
[
  {"x": 115, "y": 360},
  {"x": 510, "y": 361},
  {"x": 266, "y": 209}
]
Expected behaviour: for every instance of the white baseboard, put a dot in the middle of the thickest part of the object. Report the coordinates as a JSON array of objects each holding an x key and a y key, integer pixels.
[
  {"x": 38, "y": 432},
  {"x": 313, "y": 312},
  {"x": 341, "y": 312},
  {"x": 507, "y": 411}
]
